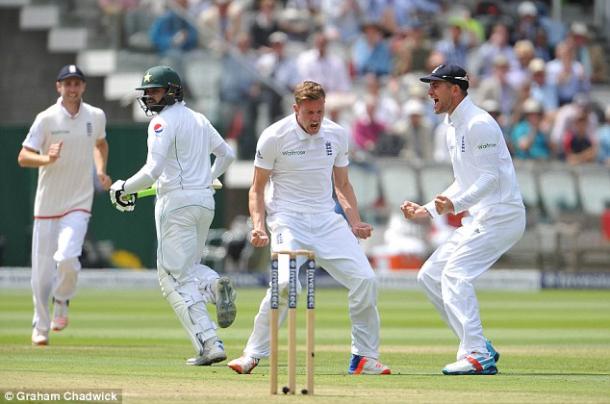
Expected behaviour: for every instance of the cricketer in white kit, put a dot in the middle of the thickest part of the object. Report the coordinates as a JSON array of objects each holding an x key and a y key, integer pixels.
[
  {"x": 65, "y": 143},
  {"x": 180, "y": 142},
  {"x": 300, "y": 156},
  {"x": 485, "y": 185}
]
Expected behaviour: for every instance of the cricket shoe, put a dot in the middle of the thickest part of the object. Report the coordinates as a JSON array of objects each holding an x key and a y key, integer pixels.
[
  {"x": 225, "y": 302},
  {"x": 362, "y": 365},
  {"x": 40, "y": 337},
  {"x": 60, "y": 315},
  {"x": 473, "y": 364},
  {"x": 244, "y": 364},
  {"x": 213, "y": 352},
  {"x": 492, "y": 351}
]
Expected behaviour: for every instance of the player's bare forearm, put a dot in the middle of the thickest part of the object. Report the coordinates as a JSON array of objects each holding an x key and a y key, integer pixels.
[
  {"x": 29, "y": 158},
  {"x": 347, "y": 200},
  {"x": 100, "y": 158},
  {"x": 256, "y": 206},
  {"x": 100, "y": 155}
]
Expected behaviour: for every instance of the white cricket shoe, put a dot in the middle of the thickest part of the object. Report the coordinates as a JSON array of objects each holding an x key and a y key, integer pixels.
[
  {"x": 60, "y": 315},
  {"x": 40, "y": 337},
  {"x": 362, "y": 365},
  {"x": 244, "y": 364},
  {"x": 473, "y": 364},
  {"x": 213, "y": 352},
  {"x": 225, "y": 302}
]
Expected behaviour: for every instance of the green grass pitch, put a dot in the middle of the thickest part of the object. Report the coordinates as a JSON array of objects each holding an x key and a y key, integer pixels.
[{"x": 555, "y": 348}]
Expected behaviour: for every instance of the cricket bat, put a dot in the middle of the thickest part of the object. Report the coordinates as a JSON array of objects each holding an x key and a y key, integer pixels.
[{"x": 216, "y": 184}]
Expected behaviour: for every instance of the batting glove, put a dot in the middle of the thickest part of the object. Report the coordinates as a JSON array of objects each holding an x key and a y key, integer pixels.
[{"x": 120, "y": 200}]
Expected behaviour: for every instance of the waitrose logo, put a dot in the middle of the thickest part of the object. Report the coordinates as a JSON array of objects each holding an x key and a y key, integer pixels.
[{"x": 486, "y": 146}]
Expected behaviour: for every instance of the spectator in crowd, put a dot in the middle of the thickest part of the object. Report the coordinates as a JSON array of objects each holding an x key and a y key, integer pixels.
[
  {"x": 497, "y": 88},
  {"x": 367, "y": 130},
  {"x": 603, "y": 136},
  {"x": 496, "y": 45},
  {"x": 518, "y": 75},
  {"x": 542, "y": 48},
  {"x": 417, "y": 132},
  {"x": 264, "y": 23},
  {"x": 407, "y": 14},
  {"x": 411, "y": 50},
  {"x": 137, "y": 23},
  {"x": 281, "y": 73},
  {"x": 567, "y": 73},
  {"x": 299, "y": 23},
  {"x": 453, "y": 47},
  {"x": 387, "y": 110},
  {"x": 527, "y": 24},
  {"x": 239, "y": 96},
  {"x": 220, "y": 23},
  {"x": 566, "y": 116},
  {"x": 371, "y": 51},
  {"x": 541, "y": 89},
  {"x": 590, "y": 56},
  {"x": 343, "y": 18},
  {"x": 112, "y": 19},
  {"x": 322, "y": 67},
  {"x": 173, "y": 36},
  {"x": 579, "y": 147},
  {"x": 528, "y": 138}
]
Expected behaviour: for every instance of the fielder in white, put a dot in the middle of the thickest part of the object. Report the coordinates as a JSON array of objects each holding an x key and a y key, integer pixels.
[
  {"x": 486, "y": 186},
  {"x": 65, "y": 143},
  {"x": 300, "y": 156},
  {"x": 180, "y": 142}
]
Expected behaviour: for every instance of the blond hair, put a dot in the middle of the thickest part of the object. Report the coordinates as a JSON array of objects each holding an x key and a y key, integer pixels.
[{"x": 308, "y": 90}]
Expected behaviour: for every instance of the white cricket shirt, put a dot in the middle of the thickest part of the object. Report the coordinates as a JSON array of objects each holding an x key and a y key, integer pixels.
[
  {"x": 67, "y": 184},
  {"x": 183, "y": 139},
  {"x": 301, "y": 165},
  {"x": 484, "y": 174}
]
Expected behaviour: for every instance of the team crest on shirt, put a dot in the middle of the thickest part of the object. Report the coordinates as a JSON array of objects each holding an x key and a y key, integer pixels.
[
  {"x": 158, "y": 128},
  {"x": 463, "y": 145},
  {"x": 89, "y": 129},
  {"x": 329, "y": 149}
]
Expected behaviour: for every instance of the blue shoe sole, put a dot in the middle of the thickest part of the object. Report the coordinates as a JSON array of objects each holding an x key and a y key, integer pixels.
[{"x": 492, "y": 370}]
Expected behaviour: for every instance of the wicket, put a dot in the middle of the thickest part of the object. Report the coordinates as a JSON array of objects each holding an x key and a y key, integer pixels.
[{"x": 310, "y": 266}]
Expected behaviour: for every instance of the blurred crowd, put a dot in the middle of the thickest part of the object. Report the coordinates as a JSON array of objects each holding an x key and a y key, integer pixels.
[{"x": 532, "y": 73}]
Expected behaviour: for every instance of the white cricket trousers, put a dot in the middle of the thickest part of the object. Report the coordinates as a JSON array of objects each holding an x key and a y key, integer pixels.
[
  {"x": 447, "y": 276},
  {"x": 56, "y": 246},
  {"x": 338, "y": 252},
  {"x": 183, "y": 220}
]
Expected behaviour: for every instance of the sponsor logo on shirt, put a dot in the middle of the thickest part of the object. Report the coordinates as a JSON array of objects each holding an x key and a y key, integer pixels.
[
  {"x": 259, "y": 155},
  {"x": 158, "y": 128},
  {"x": 293, "y": 153},
  {"x": 89, "y": 129},
  {"x": 486, "y": 146},
  {"x": 329, "y": 149},
  {"x": 60, "y": 132}
]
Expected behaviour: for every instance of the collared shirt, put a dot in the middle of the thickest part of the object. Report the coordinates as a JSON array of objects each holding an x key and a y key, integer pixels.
[
  {"x": 301, "y": 165},
  {"x": 485, "y": 179},
  {"x": 183, "y": 140},
  {"x": 67, "y": 184},
  {"x": 328, "y": 71}
]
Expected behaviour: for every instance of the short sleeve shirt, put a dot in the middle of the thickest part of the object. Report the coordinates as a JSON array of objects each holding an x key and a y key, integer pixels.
[
  {"x": 67, "y": 184},
  {"x": 301, "y": 165}
]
